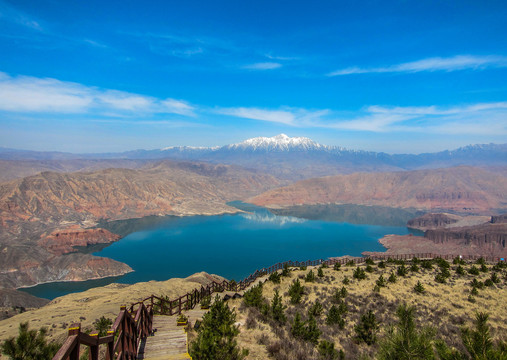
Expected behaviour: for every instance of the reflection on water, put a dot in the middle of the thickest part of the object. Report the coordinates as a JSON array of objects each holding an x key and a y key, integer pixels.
[
  {"x": 353, "y": 214},
  {"x": 272, "y": 219}
]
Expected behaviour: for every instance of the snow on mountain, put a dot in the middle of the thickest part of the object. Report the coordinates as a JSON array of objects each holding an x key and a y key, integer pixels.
[{"x": 280, "y": 142}]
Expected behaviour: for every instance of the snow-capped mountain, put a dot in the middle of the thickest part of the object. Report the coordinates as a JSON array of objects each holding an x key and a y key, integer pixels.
[
  {"x": 280, "y": 142},
  {"x": 291, "y": 158}
]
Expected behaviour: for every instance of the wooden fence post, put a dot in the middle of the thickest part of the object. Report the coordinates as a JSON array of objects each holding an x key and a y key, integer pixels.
[
  {"x": 74, "y": 330},
  {"x": 94, "y": 350}
]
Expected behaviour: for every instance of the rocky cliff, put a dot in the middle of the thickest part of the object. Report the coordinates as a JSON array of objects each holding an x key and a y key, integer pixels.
[
  {"x": 447, "y": 234},
  {"x": 61, "y": 242},
  {"x": 460, "y": 189},
  {"x": 488, "y": 239}
]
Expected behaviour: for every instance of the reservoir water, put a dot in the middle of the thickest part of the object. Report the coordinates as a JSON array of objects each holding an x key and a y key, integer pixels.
[{"x": 232, "y": 246}]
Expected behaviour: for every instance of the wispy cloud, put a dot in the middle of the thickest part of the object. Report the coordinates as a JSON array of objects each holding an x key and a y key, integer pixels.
[
  {"x": 286, "y": 115},
  {"x": 479, "y": 118},
  {"x": 11, "y": 14},
  {"x": 263, "y": 66},
  {"x": 26, "y": 94},
  {"x": 472, "y": 119},
  {"x": 455, "y": 63}
]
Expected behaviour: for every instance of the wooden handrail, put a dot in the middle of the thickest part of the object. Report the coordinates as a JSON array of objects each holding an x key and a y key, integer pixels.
[{"x": 131, "y": 325}]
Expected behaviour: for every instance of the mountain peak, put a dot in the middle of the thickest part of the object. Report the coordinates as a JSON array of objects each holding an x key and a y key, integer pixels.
[{"x": 279, "y": 142}]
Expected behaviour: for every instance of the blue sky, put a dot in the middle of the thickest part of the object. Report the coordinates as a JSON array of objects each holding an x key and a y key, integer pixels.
[{"x": 393, "y": 76}]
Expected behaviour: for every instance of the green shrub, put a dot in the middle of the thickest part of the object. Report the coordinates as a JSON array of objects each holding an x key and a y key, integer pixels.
[
  {"x": 29, "y": 345},
  {"x": 312, "y": 331},
  {"x": 494, "y": 277},
  {"x": 298, "y": 327},
  {"x": 327, "y": 351},
  {"x": 102, "y": 325},
  {"x": 253, "y": 297},
  {"x": 369, "y": 261},
  {"x": 310, "y": 277},
  {"x": 286, "y": 270},
  {"x": 427, "y": 264},
  {"x": 359, "y": 273},
  {"x": 480, "y": 261},
  {"x": 392, "y": 278},
  {"x": 477, "y": 284},
  {"x": 296, "y": 291},
  {"x": 381, "y": 282},
  {"x": 439, "y": 278},
  {"x": 404, "y": 340},
  {"x": 442, "y": 263},
  {"x": 488, "y": 282},
  {"x": 343, "y": 292},
  {"x": 345, "y": 280},
  {"x": 474, "y": 291},
  {"x": 473, "y": 270},
  {"x": 414, "y": 268},
  {"x": 382, "y": 265},
  {"x": 369, "y": 268},
  {"x": 458, "y": 261},
  {"x": 316, "y": 309},
  {"x": 275, "y": 277},
  {"x": 484, "y": 268},
  {"x": 302, "y": 268},
  {"x": 324, "y": 265},
  {"x": 367, "y": 327},
  {"x": 337, "y": 266},
  {"x": 320, "y": 273},
  {"x": 460, "y": 270},
  {"x": 401, "y": 270},
  {"x": 350, "y": 263},
  {"x": 277, "y": 309},
  {"x": 334, "y": 317},
  {"x": 216, "y": 335},
  {"x": 419, "y": 288}
]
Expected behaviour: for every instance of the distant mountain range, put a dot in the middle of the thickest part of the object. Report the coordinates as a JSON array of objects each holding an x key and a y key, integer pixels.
[{"x": 291, "y": 158}]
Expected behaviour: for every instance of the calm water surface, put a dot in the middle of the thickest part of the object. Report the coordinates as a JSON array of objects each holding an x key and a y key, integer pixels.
[{"x": 229, "y": 245}]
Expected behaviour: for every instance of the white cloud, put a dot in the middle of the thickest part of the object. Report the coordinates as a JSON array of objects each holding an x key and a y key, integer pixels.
[
  {"x": 279, "y": 116},
  {"x": 455, "y": 63},
  {"x": 27, "y": 94},
  {"x": 285, "y": 115},
  {"x": 263, "y": 66},
  {"x": 472, "y": 119}
]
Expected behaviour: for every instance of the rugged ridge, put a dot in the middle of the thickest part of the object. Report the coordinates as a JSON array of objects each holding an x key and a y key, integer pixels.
[{"x": 460, "y": 189}]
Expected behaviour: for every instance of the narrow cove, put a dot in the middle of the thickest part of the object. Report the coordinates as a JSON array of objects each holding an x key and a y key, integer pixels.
[{"x": 232, "y": 246}]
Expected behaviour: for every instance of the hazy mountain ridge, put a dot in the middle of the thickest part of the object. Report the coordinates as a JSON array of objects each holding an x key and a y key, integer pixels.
[{"x": 292, "y": 158}]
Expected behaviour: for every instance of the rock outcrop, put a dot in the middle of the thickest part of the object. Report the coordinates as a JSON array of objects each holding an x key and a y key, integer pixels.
[
  {"x": 482, "y": 239},
  {"x": 61, "y": 242}
]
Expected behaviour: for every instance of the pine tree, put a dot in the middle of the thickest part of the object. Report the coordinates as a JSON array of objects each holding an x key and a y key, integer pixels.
[
  {"x": 419, "y": 288},
  {"x": 405, "y": 342},
  {"x": 312, "y": 331},
  {"x": 310, "y": 277},
  {"x": 253, "y": 296},
  {"x": 29, "y": 345},
  {"x": 327, "y": 350},
  {"x": 320, "y": 273},
  {"x": 277, "y": 309},
  {"x": 333, "y": 316},
  {"x": 216, "y": 335},
  {"x": 296, "y": 291},
  {"x": 298, "y": 327},
  {"x": 367, "y": 328}
]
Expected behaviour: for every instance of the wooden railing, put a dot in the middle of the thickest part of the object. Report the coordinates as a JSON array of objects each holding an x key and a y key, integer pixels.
[{"x": 135, "y": 323}]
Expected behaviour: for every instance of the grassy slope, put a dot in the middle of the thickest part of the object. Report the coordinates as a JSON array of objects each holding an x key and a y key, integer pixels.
[{"x": 443, "y": 306}]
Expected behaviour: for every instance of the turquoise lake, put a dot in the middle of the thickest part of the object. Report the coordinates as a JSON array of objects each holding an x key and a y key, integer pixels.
[{"x": 232, "y": 246}]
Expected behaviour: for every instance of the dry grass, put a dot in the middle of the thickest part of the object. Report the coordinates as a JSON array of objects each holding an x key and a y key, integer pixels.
[{"x": 442, "y": 306}]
